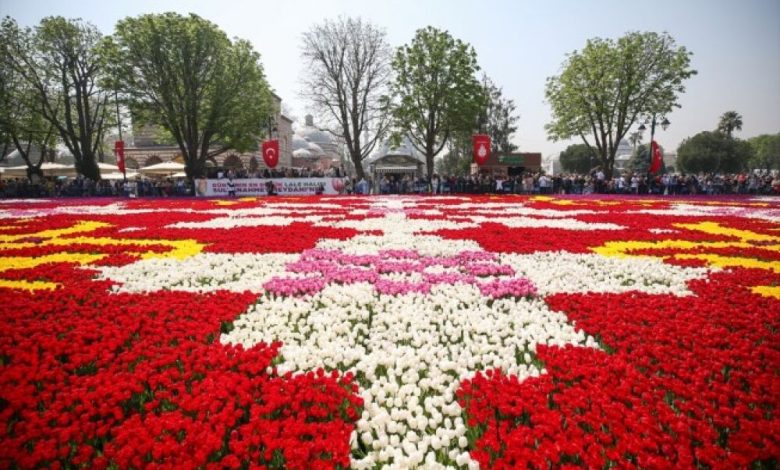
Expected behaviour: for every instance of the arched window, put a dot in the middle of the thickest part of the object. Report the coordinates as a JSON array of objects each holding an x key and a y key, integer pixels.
[
  {"x": 232, "y": 162},
  {"x": 152, "y": 160}
]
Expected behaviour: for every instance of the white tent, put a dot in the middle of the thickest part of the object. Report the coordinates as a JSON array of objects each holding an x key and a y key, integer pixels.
[
  {"x": 115, "y": 175},
  {"x": 107, "y": 167},
  {"x": 48, "y": 169},
  {"x": 163, "y": 169}
]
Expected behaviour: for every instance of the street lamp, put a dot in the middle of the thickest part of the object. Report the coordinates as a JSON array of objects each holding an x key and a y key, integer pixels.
[{"x": 664, "y": 124}]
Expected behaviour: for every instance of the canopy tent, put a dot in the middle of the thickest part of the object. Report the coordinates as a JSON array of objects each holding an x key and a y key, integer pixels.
[
  {"x": 115, "y": 175},
  {"x": 162, "y": 169},
  {"x": 107, "y": 167},
  {"x": 47, "y": 168}
]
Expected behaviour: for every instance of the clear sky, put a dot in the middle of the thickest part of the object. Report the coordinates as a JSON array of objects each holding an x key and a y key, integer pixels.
[{"x": 736, "y": 45}]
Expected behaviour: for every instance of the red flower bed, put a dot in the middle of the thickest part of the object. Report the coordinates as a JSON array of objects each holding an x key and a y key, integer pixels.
[
  {"x": 686, "y": 383},
  {"x": 134, "y": 380}
]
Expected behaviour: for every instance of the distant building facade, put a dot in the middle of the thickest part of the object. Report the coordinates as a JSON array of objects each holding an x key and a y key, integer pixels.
[
  {"x": 148, "y": 148},
  {"x": 314, "y": 148},
  {"x": 395, "y": 162}
]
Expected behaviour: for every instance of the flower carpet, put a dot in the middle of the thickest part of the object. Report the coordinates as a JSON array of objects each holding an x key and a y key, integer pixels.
[{"x": 390, "y": 332}]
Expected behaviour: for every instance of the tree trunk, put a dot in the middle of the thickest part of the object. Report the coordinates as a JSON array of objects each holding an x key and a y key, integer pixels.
[
  {"x": 358, "y": 162},
  {"x": 88, "y": 167}
]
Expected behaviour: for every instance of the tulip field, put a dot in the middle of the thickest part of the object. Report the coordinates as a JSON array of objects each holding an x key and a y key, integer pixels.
[{"x": 390, "y": 332}]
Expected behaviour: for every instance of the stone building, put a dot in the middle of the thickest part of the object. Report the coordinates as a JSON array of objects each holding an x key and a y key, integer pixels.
[
  {"x": 396, "y": 162},
  {"x": 315, "y": 148},
  {"x": 148, "y": 148}
]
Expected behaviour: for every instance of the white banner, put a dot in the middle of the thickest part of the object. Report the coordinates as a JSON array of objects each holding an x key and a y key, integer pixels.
[{"x": 257, "y": 186}]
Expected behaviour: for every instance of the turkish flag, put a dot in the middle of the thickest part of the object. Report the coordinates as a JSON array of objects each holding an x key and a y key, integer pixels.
[
  {"x": 271, "y": 152},
  {"x": 657, "y": 158},
  {"x": 481, "y": 148},
  {"x": 119, "y": 151}
]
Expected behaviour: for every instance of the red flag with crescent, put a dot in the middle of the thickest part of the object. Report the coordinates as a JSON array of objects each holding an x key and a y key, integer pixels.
[
  {"x": 657, "y": 158},
  {"x": 271, "y": 152},
  {"x": 481, "y": 148},
  {"x": 119, "y": 150}
]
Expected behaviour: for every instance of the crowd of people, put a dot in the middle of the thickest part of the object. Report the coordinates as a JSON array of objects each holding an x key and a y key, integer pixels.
[
  {"x": 595, "y": 183},
  {"x": 763, "y": 183},
  {"x": 86, "y": 187}
]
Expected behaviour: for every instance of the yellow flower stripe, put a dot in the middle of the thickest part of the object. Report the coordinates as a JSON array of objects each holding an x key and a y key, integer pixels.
[
  {"x": 747, "y": 239},
  {"x": 767, "y": 291},
  {"x": 28, "y": 285},
  {"x": 26, "y": 262},
  {"x": 715, "y": 228},
  {"x": 81, "y": 227},
  {"x": 625, "y": 249},
  {"x": 178, "y": 249},
  {"x": 732, "y": 261}
]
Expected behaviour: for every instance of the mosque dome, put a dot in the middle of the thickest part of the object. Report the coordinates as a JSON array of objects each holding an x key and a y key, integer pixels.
[
  {"x": 299, "y": 142},
  {"x": 312, "y": 133},
  {"x": 302, "y": 153}
]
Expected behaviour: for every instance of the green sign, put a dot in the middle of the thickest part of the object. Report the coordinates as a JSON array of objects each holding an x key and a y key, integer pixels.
[{"x": 511, "y": 159}]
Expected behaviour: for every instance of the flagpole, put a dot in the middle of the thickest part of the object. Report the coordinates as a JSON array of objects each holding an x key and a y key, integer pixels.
[
  {"x": 119, "y": 128},
  {"x": 664, "y": 124}
]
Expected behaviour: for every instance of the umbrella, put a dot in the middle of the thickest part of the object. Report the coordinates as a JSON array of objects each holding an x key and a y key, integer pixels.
[{"x": 164, "y": 168}]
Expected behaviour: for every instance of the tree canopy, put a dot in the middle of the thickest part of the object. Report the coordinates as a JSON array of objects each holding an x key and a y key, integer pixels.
[
  {"x": 347, "y": 75},
  {"x": 435, "y": 91},
  {"x": 766, "y": 152},
  {"x": 578, "y": 158},
  {"x": 713, "y": 152},
  {"x": 607, "y": 87},
  {"x": 729, "y": 122},
  {"x": 183, "y": 73},
  {"x": 57, "y": 68},
  {"x": 500, "y": 119}
]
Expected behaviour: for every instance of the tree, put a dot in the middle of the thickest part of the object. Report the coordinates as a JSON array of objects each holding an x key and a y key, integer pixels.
[
  {"x": 62, "y": 64},
  {"x": 348, "y": 72},
  {"x": 578, "y": 158},
  {"x": 608, "y": 86},
  {"x": 499, "y": 119},
  {"x": 21, "y": 126},
  {"x": 457, "y": 160},
  {"x": 435, "y": 92},
  {"x": 729, "y": 122},
  {"x": 185, "y": 75},
  {"x": 641, "y": 160},
  {"x": 713, "y": 152},
  {"x": 766, "y": 152}
]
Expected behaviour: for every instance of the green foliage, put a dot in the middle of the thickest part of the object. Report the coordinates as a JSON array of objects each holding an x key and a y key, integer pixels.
[
  {"x": 766, "y": 152},
  {"x": 729, "y": 122},
  {"x": 457, "y": 161},
  {"x": 641, "y": 160},
  {"x": 578, "y": 158},
  {"x": 22, "y": 127},
  {"x": 609, "y": 85},
  {"x": 60, "y": 63},
  {"x": 184, "y": 74},
  {"x": 499, "y": 119},
  {"x": 713, "y": 152},
  {"x": 435, "y": 92}
]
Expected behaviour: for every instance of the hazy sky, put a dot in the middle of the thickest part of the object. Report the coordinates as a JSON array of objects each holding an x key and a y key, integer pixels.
[{"x": 736, "y": 45}]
